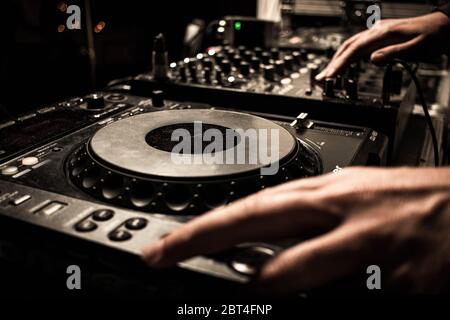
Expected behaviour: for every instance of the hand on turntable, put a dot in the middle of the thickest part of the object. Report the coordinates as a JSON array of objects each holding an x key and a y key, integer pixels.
[
  {"x": 398, "y": 219},
  {"x": 393, "y": 38}
]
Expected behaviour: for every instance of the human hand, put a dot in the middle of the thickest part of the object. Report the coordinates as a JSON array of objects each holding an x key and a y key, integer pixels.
[
  {"x": 393, "y": 38},
  {"x": 398, "y": 219}
]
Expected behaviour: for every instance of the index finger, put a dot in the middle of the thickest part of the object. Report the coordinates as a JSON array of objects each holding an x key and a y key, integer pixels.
[{"x": 267, "y": 215}]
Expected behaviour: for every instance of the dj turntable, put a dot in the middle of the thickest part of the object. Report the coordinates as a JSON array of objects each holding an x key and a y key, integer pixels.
[{"x": 107, "y": 178}]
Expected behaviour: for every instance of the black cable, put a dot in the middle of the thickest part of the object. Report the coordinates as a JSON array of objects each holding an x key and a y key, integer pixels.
[{"x": 386, "y": 95}]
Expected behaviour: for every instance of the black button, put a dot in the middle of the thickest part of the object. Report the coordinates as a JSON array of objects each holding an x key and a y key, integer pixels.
[
  {"x": 85, "y": 226},
  {"x": 136, "y": 223},
  {"x": 248, "y": 261},
  {"x": 115, "y": 97},
  {"x": 119, "y": 235},
  {"x": 102, "y": 215}
]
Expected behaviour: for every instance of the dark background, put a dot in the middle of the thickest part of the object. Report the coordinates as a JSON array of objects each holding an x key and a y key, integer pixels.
[{"x": 39, "y": 65}]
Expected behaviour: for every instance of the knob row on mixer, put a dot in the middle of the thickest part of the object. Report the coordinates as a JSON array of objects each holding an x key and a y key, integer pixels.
[{"x": 263, "y": 69}]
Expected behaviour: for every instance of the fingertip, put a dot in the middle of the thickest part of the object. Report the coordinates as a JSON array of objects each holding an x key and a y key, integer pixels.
[
  {"x": 378, "y": 58},
  {"x": 320, "y": 76},
  {"x": 152, "y": 255}
]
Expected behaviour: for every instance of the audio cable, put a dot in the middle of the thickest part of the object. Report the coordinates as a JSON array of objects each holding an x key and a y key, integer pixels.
[{"x": 386, "y": 101}]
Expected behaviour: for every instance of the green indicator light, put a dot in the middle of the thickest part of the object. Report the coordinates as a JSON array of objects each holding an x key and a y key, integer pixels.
[{"x": 237, "y": 25}]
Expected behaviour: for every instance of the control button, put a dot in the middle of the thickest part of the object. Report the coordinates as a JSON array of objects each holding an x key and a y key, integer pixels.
[
  {"x": 226, "y": 66},
  {"x": 26, "y": 117},
  {"x": 256, "y": 64},
  {"x": 119, "y": 235},
  {"x": 115, "y": 97},
  {"x": 207, "y": 74},
  {"x": 329, "y": 88},
  {"x": 236, "y": 59},
  {"x": 30, "y": 161},
  {"x": 351, "y": 88},
  {"x": 182, "y": 72},
  {"x": 7, "y": 124},
  {"x": 265, "y": 57},
  {"x": 52, "y": 208},
  {"x": 247, "y": 55},
  {"x": 248, "y": 261},
  {"x": 289, "y": 63},
  {"x": 95, "y": 101},
  {"x": 258, "y": 51},
  {"x": 269, "y": 73},
  {"x": 244, "y": 67},
  {"x": 207, "y": 63},
  {"x": 85, "y": 226},
  {"x": 136, "y": 223},
  {"x": 219, "y": 58},
  {"x": 102, "y": 215},
  {"x": 46, "y": 110},
  {"x": 279, "y": 67},
  {"x": 158, "y": 98},
  {"x": 275, "y": 53},
  {"x": 20, "y": 200},
  {"x": 296, "y": 55},
  {"x": 10, "y": 170}
]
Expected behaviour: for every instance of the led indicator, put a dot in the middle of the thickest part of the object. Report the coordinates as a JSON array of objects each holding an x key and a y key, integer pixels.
[{"x": 237, "y": 25}]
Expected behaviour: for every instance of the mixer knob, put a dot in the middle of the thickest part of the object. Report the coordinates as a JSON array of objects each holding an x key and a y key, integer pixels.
[
  {"x": 297, "y": 57},
  {"x": 182, "y": 72},
  {"x": 158, "y": 99},
  {"x": 269, "y": 73},
  {"x": 279, "y": 67},
  {"x": 236, "y": 59},
  {"x": 219, "y": 58},
  {"x": 266, "y": 57},
  {"x": 231, "y": 53},
  {"x": 226, "y": 66},
  {"x": 304, "y": 54},
  {"x": 275, "y": 53},
  {"x": 289, "y": 63},
  {"x": 258, "y": 52},
  {"x": 329, "y": 88},
  {"x": 192, "y": 63},
  {"x": 256, "y": 64},
  {"x": 241, "y": 49},
  {"x": 247, "y": 55},
  {"x": 219, "y": 76},
  {"x": 351, "y": 88},
  {"x": 207, "y": 74},
  {"x": 244, "y": 68},
  {"x": 207, "y": 63},
  {"x": 313, "y": 72},
  {"x": 95, "y": 101}
]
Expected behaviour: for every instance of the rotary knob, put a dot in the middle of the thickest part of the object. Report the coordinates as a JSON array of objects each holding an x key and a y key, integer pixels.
[
  {"x": 226, "y": 66},
  {"x": 275, "y": 53},
  {"x": 265, "y": 57},
  {"x": 158, "y": 99},
  {"x": 256, "y": 64},
  {"x": 279, "y": 67},
  {"x": 351, "y": 88},
  {"x": 329, "y": 88},
  {"x": 269, "y": 73},
  {"x": 244, "y": 68},
  {"x": 289, "y": 63},
  {"x": 258, "y": 52},
  {"x": 95, "y": 101},
  {"x": 297, "y": 57}
]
